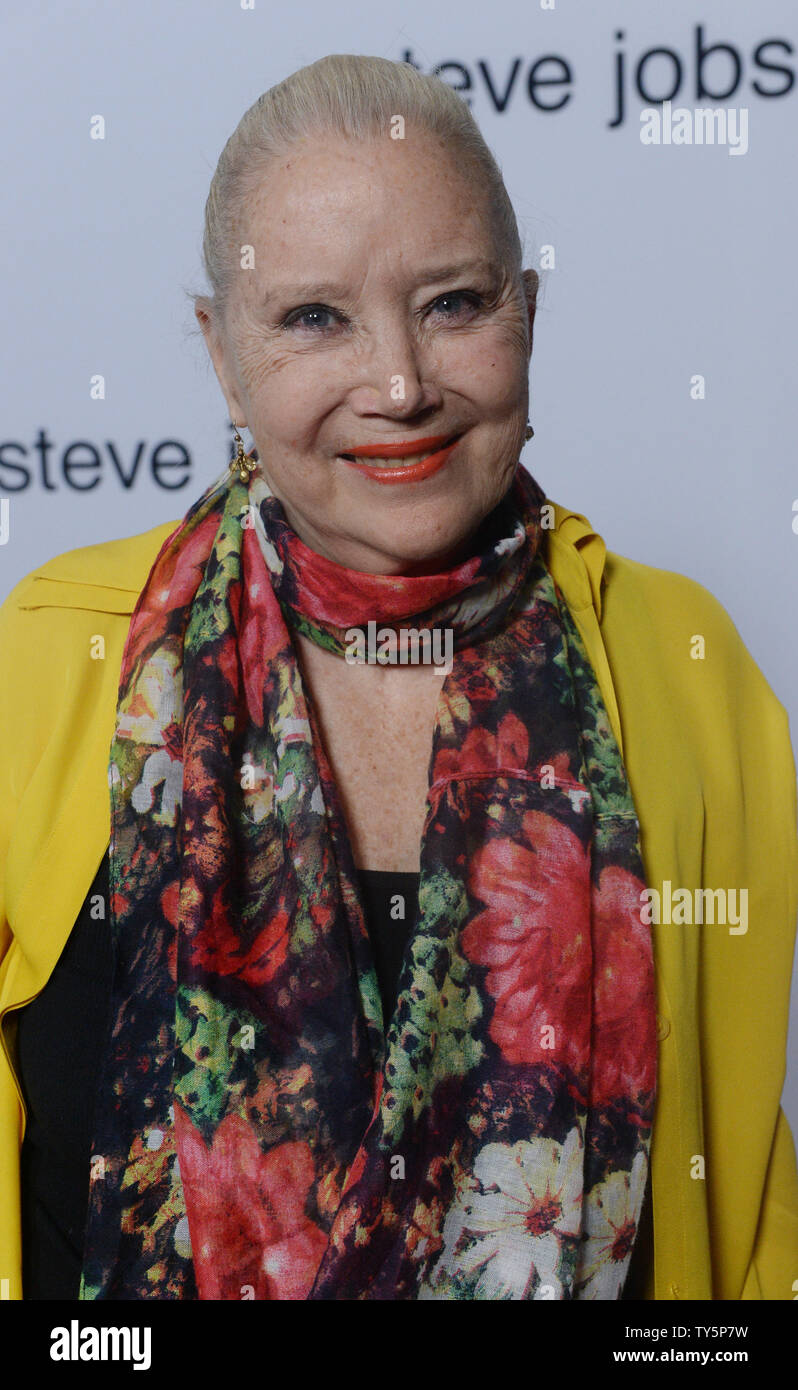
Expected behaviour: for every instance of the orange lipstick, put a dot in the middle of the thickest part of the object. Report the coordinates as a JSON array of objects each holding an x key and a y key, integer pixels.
[{"x": 408, "y": 473}]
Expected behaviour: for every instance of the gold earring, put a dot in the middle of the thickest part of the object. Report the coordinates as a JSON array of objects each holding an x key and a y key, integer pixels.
[
  {"x": 243, "y": 464},
  {"x": 529, "y": 430}
]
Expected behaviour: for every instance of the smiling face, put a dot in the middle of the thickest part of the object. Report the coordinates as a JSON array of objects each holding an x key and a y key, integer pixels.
[{"x": 380, "y": 310}]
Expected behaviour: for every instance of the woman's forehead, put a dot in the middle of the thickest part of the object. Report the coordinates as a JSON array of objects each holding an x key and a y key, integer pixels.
[
  {"x": 327, "y": 197},
  {"x": 335, "y": 168}
]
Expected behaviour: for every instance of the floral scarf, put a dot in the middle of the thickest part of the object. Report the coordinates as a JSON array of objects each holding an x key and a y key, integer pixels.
[{"x": 261, "y": 1131}]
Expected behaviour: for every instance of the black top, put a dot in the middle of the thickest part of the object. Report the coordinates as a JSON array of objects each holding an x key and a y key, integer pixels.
[{"x": 58, "y": 1052}]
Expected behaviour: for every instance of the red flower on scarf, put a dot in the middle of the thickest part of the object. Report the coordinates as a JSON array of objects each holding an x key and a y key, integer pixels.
[
  {"x": 227, "y": 661},
  {"x": 246, "y": 1212},
  {"x": 260, "y": 642},
  {"x": 184, "y": 579},
  {"x": 219, "y": 948},
  {"x": 535, "y": 939},
  {"x": 482, "y": 751},
  {"x": 625, "y": 1010},
  {"x": 506, "y": 750}
]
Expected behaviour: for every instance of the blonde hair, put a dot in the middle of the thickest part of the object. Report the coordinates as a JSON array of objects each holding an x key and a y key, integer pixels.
[{"x": 352, "y": 95}]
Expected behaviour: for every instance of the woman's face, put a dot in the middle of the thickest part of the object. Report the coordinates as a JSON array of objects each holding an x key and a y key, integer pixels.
[{"x": 378, "y": 311}]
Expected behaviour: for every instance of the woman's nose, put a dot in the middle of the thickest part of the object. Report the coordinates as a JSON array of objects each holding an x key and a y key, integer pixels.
[{"x": 395, "y": 368}]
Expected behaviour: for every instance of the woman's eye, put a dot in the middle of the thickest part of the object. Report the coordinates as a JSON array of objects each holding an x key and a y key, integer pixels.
[
  {"x": 311, "y": 313},
  {"x": 470, "y": 298},
  {"x": 318, "y": 316}
]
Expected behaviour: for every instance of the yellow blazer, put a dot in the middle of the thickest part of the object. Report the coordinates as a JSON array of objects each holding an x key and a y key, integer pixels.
[{"x": 707, "y": 750}]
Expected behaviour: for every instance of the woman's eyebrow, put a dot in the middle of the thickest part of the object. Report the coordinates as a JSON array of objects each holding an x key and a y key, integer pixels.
[{"x": 320, "y": 289}]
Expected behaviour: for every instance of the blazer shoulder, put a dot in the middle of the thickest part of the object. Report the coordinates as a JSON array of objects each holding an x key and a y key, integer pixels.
[
  {"x": 660, "y": 615},
  {"x": 667, "y": 597},
  {"x": 595, "y": 576},
  {"x": 107, "y": 576}
]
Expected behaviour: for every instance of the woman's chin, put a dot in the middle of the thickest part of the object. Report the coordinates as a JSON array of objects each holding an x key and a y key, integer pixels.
[{"x": 432, "y": 538}]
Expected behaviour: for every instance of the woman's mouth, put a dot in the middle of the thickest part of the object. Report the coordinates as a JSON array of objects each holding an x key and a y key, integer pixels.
[{"x": 428, "y": 456}]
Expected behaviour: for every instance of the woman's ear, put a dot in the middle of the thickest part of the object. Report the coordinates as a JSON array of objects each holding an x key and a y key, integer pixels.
[
  {"x": 531, "y": 281},
  {"x": 218, "y": 350}
]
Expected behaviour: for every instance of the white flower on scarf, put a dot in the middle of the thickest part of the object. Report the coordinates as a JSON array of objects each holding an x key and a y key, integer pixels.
[
  {"x": 578, "y": 797},
  {"x": 260, "y": 798},
  {"x": 158, "y": 701},
  {"x": 510, "y": 543},
  {"x": 612, "y": 1212},
  {"x": 159, "y": 768},
  {"x": 508, "y": 1224},
  {"x": 292, "y": 731},
  {"x": 286, "y": 788}
]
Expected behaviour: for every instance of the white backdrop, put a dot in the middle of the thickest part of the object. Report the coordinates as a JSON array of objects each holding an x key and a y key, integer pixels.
[{"x": 671, "y": 261}]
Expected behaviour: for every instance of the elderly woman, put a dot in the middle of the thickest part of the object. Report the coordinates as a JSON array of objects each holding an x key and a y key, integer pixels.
[{"x": 406, "y": 974}]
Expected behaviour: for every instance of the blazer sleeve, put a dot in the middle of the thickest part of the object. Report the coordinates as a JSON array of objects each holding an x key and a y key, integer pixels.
[
  {"x": 767, "y": 855},
  {"x": 773, "y": 1267},
  {"x": 747, "y": 979}
]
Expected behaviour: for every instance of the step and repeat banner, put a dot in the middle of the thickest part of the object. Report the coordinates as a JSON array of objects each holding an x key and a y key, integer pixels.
[{"x": 649, "y": 152}]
